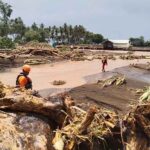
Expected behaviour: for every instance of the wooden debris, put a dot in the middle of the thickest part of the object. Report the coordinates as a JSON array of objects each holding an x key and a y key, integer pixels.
[
  {"x": 146, "y": 95},
  {"x": 115, "y": 80},
  {"x": 35, "y": 61},
  {"x": 141, "y": 66},
  {"x": 88, "y": 119},
  {"x": 131, "y": 57},
  {"x": 58, "y": 82},
  {"x": 137, "y": 124}
]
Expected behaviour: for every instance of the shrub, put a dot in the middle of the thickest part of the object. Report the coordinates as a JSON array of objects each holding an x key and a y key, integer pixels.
[{"x": 6, "y": 43}]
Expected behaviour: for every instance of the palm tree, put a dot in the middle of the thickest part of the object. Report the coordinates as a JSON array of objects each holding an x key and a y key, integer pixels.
[
  {"x": 70, "y": 34},
  {"x": 65, "y": 27},
  {"x": 56, "y": 34},
  {"x": 16, "y": 28},
  {"x": 81, "y": 33},
  {"x": 53, "y": 32},
  {"x": 61, "y": 34},
  {"x": 34, "y": 27}
]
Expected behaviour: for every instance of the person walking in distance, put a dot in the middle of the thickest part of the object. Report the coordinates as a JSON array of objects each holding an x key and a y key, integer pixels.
[{"x": 104, "y": 63}]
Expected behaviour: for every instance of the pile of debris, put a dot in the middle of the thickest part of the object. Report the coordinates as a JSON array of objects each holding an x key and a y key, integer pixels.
[
  {"x": 136, "y": 127},
  {"x": 21, "y": 115},
  {"x": 87, "y": 130},
  {"x": 74, "y": 55},
  {"x": 7, "y": 59},
  {"x": 58, "y": 82},
  {"x": 131, "y": 57},
  {"x": 112, "y": 57},
  {"x": 44, "y": 49},
  {"x": 36, "y": 48},
  {"x": 38, "y": 45},
  {"x": 100, "y": 56},
  {"x": 35, "y": 61},
  {"x": 141, "y": 66},
  {"x": 64, "y": 126},
  {"x": 39, "y": 52},
  {"x": 145, "y": 97},
  {"x": 115, "y": 80}
]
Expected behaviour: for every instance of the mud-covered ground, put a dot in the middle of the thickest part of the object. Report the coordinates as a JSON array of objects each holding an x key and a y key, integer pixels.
[
  {"x": 114, "y": 97},
  {"x": 77, "y": 73}
]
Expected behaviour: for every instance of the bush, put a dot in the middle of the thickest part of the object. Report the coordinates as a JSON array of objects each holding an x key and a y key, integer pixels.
[{"x": 6, "y": 43}]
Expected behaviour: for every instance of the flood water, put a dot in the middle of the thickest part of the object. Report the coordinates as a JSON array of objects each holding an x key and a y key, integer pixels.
[{"x": 75, "y": 73}]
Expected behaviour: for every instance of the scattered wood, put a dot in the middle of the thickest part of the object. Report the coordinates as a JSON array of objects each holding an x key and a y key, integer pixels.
[
  {"x": 115, "y": 80},
  {"x": 88, "y": 119},
  {"x": 35, "y": 61},
  {"x": 58, "y": 82},
  {"x": 131, "y": 57}
]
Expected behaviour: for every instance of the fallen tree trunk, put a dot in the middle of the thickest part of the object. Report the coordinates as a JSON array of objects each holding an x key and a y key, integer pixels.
[
  {"x": 88, "y": 119},
  {"x": 137, "y": 125},
  {"x": 35, "y": 105}
]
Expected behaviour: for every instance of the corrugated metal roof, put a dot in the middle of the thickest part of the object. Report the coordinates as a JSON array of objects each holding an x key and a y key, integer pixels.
[{"x": 120, "y": 41}]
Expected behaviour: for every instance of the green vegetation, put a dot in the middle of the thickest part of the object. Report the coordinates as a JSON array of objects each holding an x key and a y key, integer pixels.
[
  {"x": 139, "y": 42},
  {"x": 6, "y": 43},
  {"x": 16, "y": 30}
]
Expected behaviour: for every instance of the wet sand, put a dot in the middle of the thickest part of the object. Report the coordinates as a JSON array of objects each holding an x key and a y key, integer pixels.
[{"x": 113, "y": 97}]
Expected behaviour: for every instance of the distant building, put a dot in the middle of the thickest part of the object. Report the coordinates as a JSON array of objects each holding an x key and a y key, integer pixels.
[
  {"x": 107, "y": 44},
  {"x": 121, "y": 43}
]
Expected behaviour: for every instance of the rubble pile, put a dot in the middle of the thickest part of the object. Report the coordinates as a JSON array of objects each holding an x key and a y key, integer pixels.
[
  {"x": 137, "y": 128},
  {"x": 6, "y": 59},
  {"x": 38, "y": 45},
  {"x": 40, "y": 52},
  {"x": 141, "y": 66},
  {"x": 91, "y": 129},
  {"x": 24, "y": 119},
  {"x": 44, "y": 49},
  {"x": 145, "y": 97},
  {"x": 58, "y": 82},
  {"x": 74, "y": 55},
  {"x": 37, "y": 49},
  {"x": 115, "y": 80},
  {"x": 28, "y": 121},
  {"x": 131, "y": 57},
  {"x": 35, "y": 61}
]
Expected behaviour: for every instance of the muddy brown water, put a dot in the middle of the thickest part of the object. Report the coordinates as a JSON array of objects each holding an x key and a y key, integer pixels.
[{"x": 74, "y": 73}]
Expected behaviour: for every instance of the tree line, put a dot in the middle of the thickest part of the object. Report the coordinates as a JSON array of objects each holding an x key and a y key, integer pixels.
[
  {"x": 15, "y": 30},
  {"x": 139, "y": 42}
]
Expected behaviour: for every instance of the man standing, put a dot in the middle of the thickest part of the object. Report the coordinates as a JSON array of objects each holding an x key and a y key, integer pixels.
[
  {"x": 22, "y": 79},
  {"x": 104, "y": 63}
]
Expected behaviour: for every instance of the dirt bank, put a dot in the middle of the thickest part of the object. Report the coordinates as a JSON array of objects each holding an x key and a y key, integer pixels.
[{"x": 118, "y": 98}]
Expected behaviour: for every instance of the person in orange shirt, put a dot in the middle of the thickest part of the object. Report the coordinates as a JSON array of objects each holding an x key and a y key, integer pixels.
[{"x": 22, "y": 79}]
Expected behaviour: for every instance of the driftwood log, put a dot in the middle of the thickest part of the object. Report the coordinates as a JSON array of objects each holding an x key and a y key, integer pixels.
[
  {"x": 88, "y": 119},
  {"x": 138, "y": 128},
  {"x": 32, "y": 104}
]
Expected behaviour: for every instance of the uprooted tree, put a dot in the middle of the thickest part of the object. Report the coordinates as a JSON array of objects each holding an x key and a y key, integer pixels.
[{"x": 27, "y": 121}]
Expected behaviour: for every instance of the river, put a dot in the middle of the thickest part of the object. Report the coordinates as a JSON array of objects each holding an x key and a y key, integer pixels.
[{"x": 73, "y": 72}]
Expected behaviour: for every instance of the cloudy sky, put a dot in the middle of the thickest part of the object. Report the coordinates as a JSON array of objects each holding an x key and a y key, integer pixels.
[{"x": 115, "y": 19}]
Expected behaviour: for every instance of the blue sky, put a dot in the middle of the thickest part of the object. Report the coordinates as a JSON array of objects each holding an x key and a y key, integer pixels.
[{"x": 115, "y": 19}]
